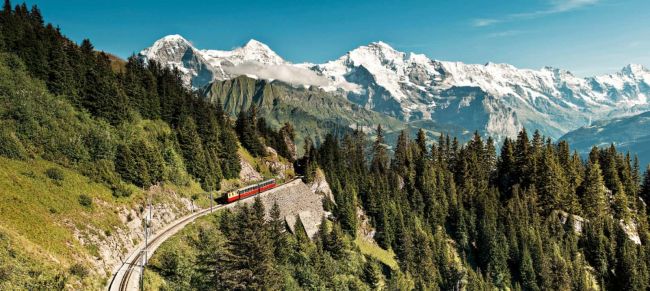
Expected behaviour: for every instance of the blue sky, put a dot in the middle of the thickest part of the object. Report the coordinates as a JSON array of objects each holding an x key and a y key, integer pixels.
[{"x": 587, "y": 37}]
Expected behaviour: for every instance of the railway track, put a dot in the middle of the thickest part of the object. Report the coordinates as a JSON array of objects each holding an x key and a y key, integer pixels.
[
  {"x": 134, "y": 261},
  {"x": 131, "y": 265}
]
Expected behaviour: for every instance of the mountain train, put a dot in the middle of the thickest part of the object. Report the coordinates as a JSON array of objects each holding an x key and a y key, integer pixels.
[{"x": 248, "y": 191}]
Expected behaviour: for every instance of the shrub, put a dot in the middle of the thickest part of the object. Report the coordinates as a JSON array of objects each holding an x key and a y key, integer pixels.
[
  {"x": 10, "y": 145},
  {"x": 54, "y": 174},
  {"x": 79, "y": 270},
  {"x": 121, "y": 190},
  {"x": 85, "y": 200},
  {"x": 101, "y": 171}
]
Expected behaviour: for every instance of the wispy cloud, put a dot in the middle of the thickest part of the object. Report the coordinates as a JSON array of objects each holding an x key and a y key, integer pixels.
[
  {"x": 484, "y": 22},
  {"x": 505, "y": 33},
  {"x": 554, "y": 7}
]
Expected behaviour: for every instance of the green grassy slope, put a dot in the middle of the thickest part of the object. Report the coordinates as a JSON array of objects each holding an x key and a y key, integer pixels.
[
  {"x": 41, "y": 215},
  {"x": 58, "y": 184}
]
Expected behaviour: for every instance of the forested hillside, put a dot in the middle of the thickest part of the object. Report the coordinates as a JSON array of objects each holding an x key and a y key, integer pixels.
[
  {"x": 84, "y": 78},
  {"x": 535, "y": 217},
  {"x": 82, "y": 133}
]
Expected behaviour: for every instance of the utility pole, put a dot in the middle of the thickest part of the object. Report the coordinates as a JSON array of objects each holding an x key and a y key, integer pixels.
[
  {"x": 147, "y": 220},
  {"x": 144, "y": 250},
  {"x": 211, "y": 201}
]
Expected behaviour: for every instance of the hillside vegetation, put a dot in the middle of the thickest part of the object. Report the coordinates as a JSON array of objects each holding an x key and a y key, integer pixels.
[
  {"x": 82, "y": 142},
  {"x": 534, "y": 217},
  {"x": 242, "y": 250}
]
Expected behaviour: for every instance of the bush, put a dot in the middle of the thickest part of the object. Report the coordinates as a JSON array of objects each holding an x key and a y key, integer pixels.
[
  {"x": 101, "y": 171},
  {"x": 54, "y": 174},
  {"x": 85, "y": 200},
  {"x": 121, "y": 190},
  {"x": 79, "y": 270},
  {"x": 10, "y": 145}
]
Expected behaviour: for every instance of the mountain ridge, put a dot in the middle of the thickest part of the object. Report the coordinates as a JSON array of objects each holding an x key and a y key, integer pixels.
[
  {"x": 495, "y": 98},
  {"x": 627, "y": 133}
]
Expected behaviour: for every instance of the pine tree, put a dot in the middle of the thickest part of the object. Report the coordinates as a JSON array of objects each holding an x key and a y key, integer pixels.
[
  {"x": 246, "y": 126},
  {"x": 335, "y": 244},
  {"x": 125, "y": 165},
  {"x": 402, "y": 159},
  {"x": 192, "y": 149},
  {"x": 620, "y": 207},
  {"x": 212, "y": 258},
  {"x": 379, "y": 153},
  {"x": 645, "y": 187},
  {"x": 593, "y": 192},
  {"x": 506, "y": 167},
  {"x": 421, "y": 141},
  {"x": 228, "y": 154},
  {"x": 372, "y": 274},
  {"x": 527, "y": 271},
  {"x": 299, "y": 231},
  {"x": 551, "y": 184},
  {"x": 523, "y": 159},
  {"x": 252, "y": 261}
]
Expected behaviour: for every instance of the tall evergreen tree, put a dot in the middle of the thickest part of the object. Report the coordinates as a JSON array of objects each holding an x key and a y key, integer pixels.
[
  {"x": 379, "y": 153},
  {"x": 192, "y": 148},
  {"x": 645, "y": 186},
  {"x": 593, "y": 192}
]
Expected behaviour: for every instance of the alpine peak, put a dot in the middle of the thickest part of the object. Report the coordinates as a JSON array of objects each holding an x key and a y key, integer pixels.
[{"x": 411, "y": 86}]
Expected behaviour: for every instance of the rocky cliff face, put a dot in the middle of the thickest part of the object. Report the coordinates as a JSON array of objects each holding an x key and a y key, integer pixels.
[{"x": 112, "y": 248}]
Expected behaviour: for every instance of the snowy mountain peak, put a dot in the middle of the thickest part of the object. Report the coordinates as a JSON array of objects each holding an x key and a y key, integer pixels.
[
  {"x": 167, "y": 48},
  {"x": 173, "y": 38},
  {"x": 377, "y": 49},
  {"x": 177, "y": 52},
  {"x": 255, "y": 44},
  {"x": 634, "y": 70},
  {"x": 495, "y": 98},
  {"x": 382, "y": 45},
  {"x": 257, "y": 51}
]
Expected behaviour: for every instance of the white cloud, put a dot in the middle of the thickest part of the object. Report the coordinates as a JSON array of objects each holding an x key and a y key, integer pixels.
[
  {"x": 484, "y": 22},
  {"x": 505, "y": 33},
  {"x": 283, "y": 72},
  {"x": 567, "y": 5},
  {"x": 554, "y": 7},
  {"x": 290, "y": 73}
]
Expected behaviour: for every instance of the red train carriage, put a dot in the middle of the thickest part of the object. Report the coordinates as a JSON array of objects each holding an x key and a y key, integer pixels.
[
  {"x": 266, "y": 185},
  {"x": 250, "y": 190}
]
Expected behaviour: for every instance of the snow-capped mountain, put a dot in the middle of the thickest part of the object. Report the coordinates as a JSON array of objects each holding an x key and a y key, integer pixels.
[
  {"x": 497, "y": 99},
  {"x": 252, "y": 51},
  {"x": 177, "y": 52},
  {"x": 254, "y": 59}
]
